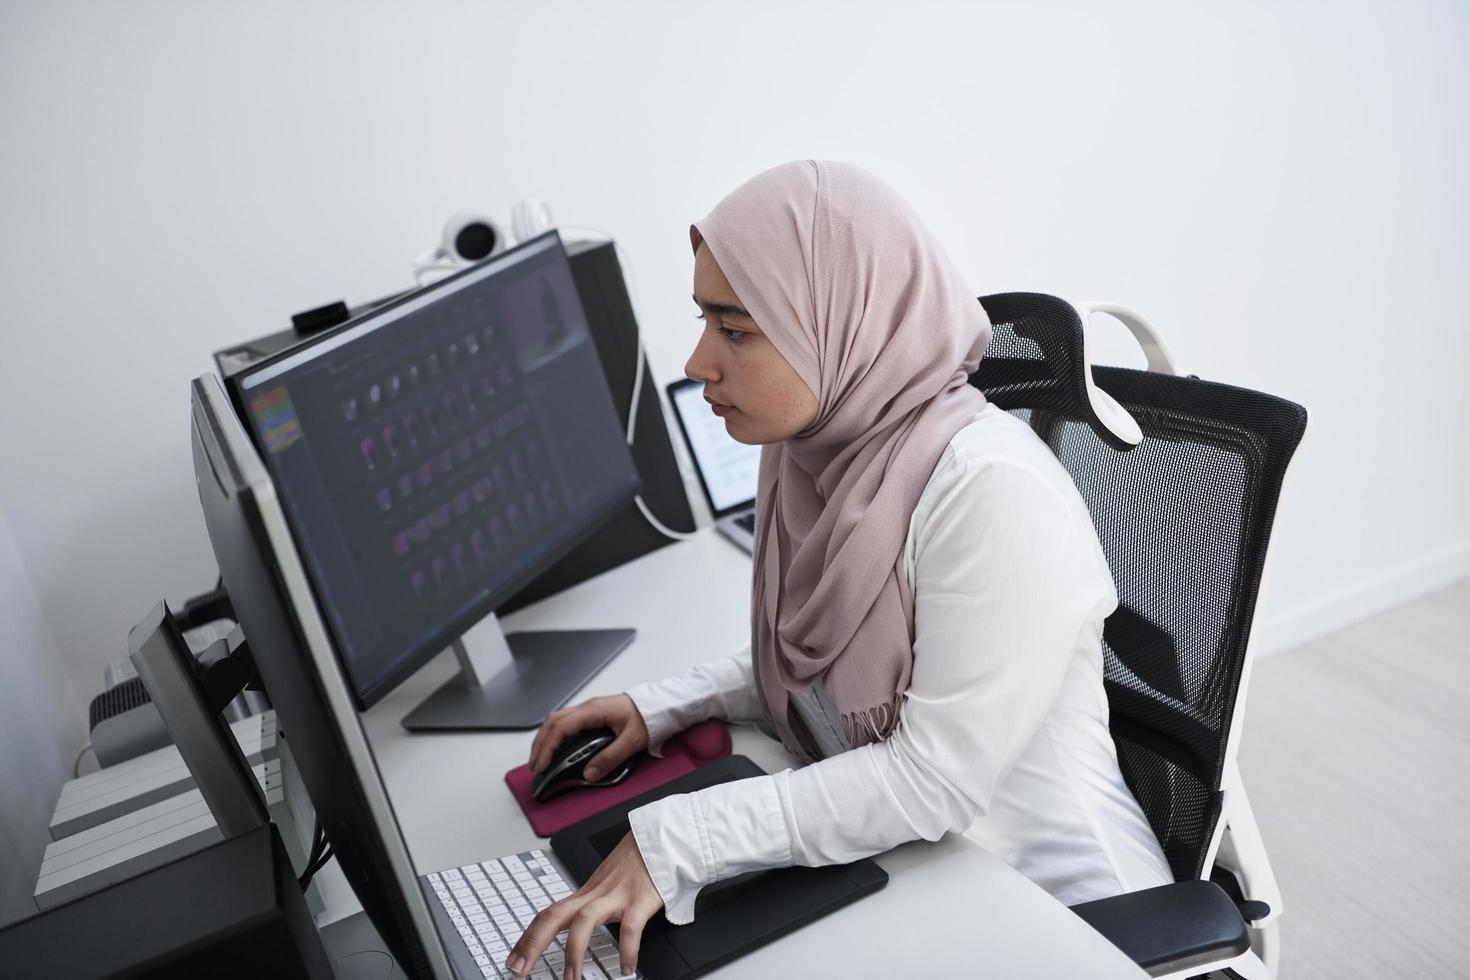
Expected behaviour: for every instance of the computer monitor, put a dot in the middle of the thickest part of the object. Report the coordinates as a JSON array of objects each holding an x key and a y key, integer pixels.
[
  {"x": 314, "y": 700},
  {"x": 432, "y": 457}
]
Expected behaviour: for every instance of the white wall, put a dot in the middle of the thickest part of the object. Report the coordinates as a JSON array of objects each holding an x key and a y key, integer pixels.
[
  {"x": 43, "y": 723},
  {"x": 1280, "y": 186}
]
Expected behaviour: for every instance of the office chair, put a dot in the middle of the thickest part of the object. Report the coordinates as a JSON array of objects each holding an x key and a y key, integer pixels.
[{"x": 1181, "y": 477}]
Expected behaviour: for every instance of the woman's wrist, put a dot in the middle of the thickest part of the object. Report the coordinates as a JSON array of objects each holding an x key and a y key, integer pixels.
[{"x": 658, "y": 708}]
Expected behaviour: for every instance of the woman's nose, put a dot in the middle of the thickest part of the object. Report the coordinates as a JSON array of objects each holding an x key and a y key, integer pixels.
[{"x": 700, "y": 367}]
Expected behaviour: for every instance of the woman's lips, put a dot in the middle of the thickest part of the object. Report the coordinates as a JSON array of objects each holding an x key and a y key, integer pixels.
[{"x": 721, "y": 410}]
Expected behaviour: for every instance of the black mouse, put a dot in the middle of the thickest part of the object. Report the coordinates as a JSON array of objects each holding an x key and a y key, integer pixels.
[{"x": 564, "y": 771}]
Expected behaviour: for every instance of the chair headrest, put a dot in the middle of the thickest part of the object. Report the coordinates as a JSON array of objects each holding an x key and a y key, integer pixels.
[{"x": 1038, "y": 358}]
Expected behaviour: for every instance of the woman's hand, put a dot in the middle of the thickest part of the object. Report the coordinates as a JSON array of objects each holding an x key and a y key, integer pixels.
[
  {"x": 616, "y": 712},
  {"x": 620, "y": 890}
]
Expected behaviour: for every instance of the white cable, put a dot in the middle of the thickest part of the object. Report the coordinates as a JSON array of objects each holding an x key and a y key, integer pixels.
[
  {"x": 419, "y": 270},
  {"x": 426, "y": 264},
  {"x": 637, "y": 376},
  {"x": 77, "y": 762}
]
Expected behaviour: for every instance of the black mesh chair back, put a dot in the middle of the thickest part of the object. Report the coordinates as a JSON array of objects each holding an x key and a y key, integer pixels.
[{"x": 1184, "y": 518}]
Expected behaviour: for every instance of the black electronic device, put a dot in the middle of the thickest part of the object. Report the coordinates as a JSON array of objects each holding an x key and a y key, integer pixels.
[
  {"x": 294, "y": 657},
  {"x": 734, "y": 916},
  {"x": 231, "y": 911},
  {"x": 564, "y": 771},
  {"x": 627, "y": 535},
  {"x": 432, "y": 457},
  {"x": 190, "y": 696}
]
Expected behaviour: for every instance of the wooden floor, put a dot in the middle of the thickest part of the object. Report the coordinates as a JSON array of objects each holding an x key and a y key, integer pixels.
[{"x": 1356, "y": 756}]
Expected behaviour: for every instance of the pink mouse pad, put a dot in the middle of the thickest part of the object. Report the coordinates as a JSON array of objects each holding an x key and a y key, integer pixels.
[{"x": 694, "y": 747}]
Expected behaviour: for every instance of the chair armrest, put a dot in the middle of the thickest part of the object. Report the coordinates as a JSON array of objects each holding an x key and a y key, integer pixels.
[{"x": 1171, "y": 927}]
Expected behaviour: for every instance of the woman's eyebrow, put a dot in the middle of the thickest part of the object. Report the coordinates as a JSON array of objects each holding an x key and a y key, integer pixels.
[{"x": 721, "y": 307}]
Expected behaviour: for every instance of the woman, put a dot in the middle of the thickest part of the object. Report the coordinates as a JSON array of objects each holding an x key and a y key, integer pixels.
[{"x": 928, "y": 592}]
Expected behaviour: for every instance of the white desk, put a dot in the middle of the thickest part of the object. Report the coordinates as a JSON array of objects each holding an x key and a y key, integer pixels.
[{"x": 947, "y": 905}]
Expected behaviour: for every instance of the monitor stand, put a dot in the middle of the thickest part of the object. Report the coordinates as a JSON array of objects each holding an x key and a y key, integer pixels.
[{"x": 546, "y": 668}]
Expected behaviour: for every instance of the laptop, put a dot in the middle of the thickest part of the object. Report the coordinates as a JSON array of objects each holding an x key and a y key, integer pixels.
[{"x": 727, "y": 469}]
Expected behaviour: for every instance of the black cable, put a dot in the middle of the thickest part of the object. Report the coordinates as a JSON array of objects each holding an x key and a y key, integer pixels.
[
  {"x": 320, "y": 851},
  {"x": 318, "y": 841},
  {"x": 314, "y": 867}
]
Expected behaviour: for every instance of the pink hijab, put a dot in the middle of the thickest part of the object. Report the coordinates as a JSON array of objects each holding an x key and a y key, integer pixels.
[{"x": 856, "y": 294}]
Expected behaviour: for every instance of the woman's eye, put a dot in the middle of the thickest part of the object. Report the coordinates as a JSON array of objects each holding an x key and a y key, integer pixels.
[{"x": 733, "y": 336}]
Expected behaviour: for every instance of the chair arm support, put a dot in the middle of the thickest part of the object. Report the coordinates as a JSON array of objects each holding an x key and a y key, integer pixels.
[{"x": 1172, "y": 927}]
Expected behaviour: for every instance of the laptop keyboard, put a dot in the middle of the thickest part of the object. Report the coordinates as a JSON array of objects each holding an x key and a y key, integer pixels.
[
  {"x": 492, "y": 903},
  {"x": 747, "y": 521}
]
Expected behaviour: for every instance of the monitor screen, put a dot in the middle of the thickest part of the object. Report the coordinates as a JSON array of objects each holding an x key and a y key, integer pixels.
[
  {"x": 437, "y": 454},
  {"x": 728, "y": 469}
]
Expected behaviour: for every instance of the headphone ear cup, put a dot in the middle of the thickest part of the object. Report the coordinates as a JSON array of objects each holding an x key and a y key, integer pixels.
[
  {"x": 530, "y": 217},
  {"x": 469, "y": 237}
]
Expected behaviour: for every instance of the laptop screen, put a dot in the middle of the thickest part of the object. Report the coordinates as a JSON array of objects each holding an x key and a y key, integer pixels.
[{"x": 727, "y": 469}]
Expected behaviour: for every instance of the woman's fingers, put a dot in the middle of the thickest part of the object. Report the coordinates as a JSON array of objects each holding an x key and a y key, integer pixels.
[
  {"x": 568, "y": 721},
  {"x": 557, "y": 726},
  {"x": 630, "y": 937},
  {"x": 549, "y": 735},
  {"x": 586, "y": 919},
  {"x": 538, "y": 935},
  {"x": 617, "y": 750}
]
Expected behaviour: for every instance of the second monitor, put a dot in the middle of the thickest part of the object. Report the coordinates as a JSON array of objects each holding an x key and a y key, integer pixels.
[{"x": 432, "y": 458}]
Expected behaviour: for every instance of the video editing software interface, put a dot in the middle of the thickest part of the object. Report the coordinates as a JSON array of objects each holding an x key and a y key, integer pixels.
[{"x": 428, "y": 457}]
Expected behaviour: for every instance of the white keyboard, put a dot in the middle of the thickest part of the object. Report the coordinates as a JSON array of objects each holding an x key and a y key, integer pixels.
[{"x": 492, "y": 902}]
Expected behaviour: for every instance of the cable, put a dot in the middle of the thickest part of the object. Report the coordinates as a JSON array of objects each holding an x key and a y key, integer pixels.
[
  {"x": 425, "y": 264},
  {"x": 314, "y": 859},
  {"x": 314, "y": 867},
  {"x": 77, "y": 762},
  {"x": 637, "y": 376}
]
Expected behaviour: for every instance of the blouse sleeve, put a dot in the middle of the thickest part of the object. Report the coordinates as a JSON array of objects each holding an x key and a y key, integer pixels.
[
  {"x": 1007, "y": 573},
  {"x": 719, "y": 689}
]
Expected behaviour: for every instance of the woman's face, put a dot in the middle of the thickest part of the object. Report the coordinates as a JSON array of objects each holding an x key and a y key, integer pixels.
[{"x": 765, "y": 399}]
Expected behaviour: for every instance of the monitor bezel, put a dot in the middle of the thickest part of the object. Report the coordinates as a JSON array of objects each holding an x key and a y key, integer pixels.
[{"x": 367, "y": 696}]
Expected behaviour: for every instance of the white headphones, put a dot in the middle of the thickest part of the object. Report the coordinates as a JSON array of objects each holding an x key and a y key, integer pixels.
[{"x": 469, "y": 237}]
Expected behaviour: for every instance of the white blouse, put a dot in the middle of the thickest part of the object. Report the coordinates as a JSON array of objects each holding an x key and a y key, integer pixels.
[{"x": 1002, "y": 734}]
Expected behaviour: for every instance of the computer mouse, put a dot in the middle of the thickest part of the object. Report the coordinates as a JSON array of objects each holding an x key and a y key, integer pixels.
[{"x": 564, "y": 772}]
